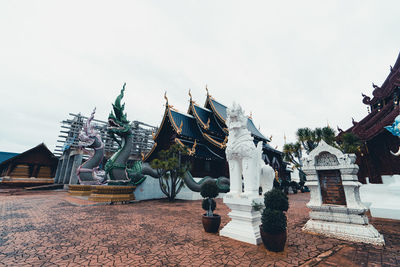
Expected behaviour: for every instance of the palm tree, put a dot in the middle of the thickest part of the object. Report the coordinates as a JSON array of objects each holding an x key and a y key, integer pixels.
[
  {"x": 291, "y": 151},
  {"x": 328, "y": 135},
  {"x": 350, "y": 143}
]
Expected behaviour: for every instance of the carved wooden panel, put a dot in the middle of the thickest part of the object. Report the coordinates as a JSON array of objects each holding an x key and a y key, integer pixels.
[{"x": 331, "y": 187}]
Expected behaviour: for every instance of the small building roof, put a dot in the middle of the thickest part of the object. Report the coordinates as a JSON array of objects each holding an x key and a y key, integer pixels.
[
  {"x": 49, "y": 156},
  {"x": 6, "y": 155}
]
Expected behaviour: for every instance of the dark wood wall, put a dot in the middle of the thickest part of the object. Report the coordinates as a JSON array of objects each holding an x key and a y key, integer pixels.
[{"x": 376, "y": 160}]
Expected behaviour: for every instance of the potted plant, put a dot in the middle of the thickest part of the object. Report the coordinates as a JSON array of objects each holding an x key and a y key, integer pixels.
[
  {"x": 211, "y": 221},
  {"x": 274, "y": 222}
]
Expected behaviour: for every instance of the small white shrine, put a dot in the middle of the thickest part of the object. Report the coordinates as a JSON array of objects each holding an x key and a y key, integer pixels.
[{"x": 336, "y": 208}]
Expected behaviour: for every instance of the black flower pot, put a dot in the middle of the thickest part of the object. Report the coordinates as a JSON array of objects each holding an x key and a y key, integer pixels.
[
  {"x": 211, "y": 223},
  {"x": 273, "y": 242}
]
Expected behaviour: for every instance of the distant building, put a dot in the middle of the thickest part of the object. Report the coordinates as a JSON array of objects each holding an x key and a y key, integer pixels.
[
  {"x": 374, "y": 157},
  {"x": 203, "y": 131},
  {"x": 36, "y": 166}
]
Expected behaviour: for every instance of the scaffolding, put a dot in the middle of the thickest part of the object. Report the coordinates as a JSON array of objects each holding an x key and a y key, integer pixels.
[{"x": 71, "y": 127}]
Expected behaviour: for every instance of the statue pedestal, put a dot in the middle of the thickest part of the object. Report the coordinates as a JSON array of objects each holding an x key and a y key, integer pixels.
[
  {"x": 80, "y": 190},
  {"x": 245, "y": 223},
  {"x": 112, "y": 193}
]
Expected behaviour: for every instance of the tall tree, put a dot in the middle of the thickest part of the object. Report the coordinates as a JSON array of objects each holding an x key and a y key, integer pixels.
[
  {"x": 168, "y": 164},
  {"x": 292, "y": 152},
  {"x": 310, "y": 139},
  {"x": 349, "y": 143}
]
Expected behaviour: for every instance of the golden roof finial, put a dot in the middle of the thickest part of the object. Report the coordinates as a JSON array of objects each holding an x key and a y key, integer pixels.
[
  {"x": 165, "y": 96},
  {"x": 190, "y": 94},
  {"x": 207, "y": 90},
  {"x": 270, "y": 138},
  {"x": 284, "y": 137},
  {"x": 251, "y": 115}
]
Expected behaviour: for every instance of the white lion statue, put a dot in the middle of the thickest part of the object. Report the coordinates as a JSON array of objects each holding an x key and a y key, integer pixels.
[{"x": 244, "y": 158}]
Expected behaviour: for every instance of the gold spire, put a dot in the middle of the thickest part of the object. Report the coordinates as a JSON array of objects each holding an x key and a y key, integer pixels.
[
  {"x": 207, "y": 90},
  {"x": 284, "y": 137},
  {"x": 190, "y": 95}
]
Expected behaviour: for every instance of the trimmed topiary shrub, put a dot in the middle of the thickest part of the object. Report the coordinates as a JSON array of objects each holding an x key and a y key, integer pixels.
[
  {"x": 205, "y": 204},
  {"x": 209, "y": 190},
  {"x": 273, "y": 221},
  {"x": 276, "y": 200}
]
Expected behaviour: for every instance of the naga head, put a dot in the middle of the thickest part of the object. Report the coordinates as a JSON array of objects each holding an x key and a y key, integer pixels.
[
  {"x": 88, "y": 135},
  {"x": 236, "y": 120},
  {"x": 117, "y": 120}
]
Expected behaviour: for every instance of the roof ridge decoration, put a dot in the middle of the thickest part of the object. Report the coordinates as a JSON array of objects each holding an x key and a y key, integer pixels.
[
  {"x": 210, "y": 99},
  {"x": 192, "y": 151},
  {"x": 150, "y": 152},
  {"x": 179, "y": 131},
  {"x": 215, "y": 142},
  {"x": 167, "y": 112},
  {"x": 191, "y": 99},
  {"x": 206, "y": 126}
]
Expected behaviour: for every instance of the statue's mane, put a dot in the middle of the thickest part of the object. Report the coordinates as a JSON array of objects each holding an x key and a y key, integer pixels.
[{"x": 235, "y": 114}]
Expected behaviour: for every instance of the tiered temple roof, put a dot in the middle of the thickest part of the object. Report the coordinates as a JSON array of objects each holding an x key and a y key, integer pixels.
[
  {"x": 374, "y": 157},
  {"x": 203, "y": 131},
  {"x": 384, "y": 106}
]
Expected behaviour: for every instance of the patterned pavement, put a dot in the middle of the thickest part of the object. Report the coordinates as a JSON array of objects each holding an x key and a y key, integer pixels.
[{"x": 53, "y": 229}]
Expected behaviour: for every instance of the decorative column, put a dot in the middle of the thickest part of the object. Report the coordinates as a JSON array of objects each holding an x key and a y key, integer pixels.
[{"x": 336, "y": 209}]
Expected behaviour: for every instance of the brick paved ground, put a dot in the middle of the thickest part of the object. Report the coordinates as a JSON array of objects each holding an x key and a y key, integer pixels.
[{"x": 51, "y": 228}]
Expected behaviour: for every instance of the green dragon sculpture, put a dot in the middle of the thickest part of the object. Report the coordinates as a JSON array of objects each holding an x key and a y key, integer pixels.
[{"x": 116, "y": 167}]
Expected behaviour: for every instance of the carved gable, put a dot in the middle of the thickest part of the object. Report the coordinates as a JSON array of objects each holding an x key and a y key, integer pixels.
[{"x": 326, "y": 159}]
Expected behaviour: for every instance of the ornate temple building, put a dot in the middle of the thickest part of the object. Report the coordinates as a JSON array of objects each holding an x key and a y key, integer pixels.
[
  {"x": 203, "y": 131},
  {"x": 374, "y": 157}
]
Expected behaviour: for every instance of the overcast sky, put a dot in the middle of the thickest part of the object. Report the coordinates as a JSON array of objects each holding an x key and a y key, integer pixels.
[{"x": 291, "y": 63}]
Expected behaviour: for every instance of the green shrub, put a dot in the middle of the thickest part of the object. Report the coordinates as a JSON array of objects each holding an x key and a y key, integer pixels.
[
  {"x": 273, "y": 221},
  {"x": 206, "y": 204},
  {"x": 276, "y": 200},
  {"x": 209, "y": 189}
]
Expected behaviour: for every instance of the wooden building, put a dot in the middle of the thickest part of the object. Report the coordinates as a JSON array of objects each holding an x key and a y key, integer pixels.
[
  {"x": 203, "y": 131},
  {"x": 374, "y": 157},
  {"x": 36, "y": 166}
]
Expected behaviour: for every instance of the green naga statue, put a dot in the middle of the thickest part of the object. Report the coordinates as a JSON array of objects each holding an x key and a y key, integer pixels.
[{"x": 116, "y": 168}]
